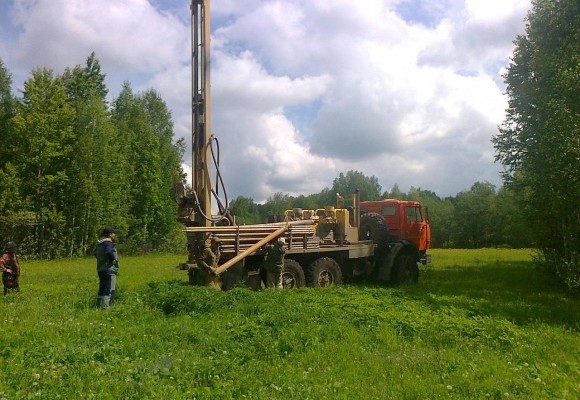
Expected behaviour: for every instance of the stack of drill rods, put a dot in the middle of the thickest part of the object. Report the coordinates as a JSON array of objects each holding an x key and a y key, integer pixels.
[
  {"x": 241, "y": 237},
  {"x": 270, "y": 226}
]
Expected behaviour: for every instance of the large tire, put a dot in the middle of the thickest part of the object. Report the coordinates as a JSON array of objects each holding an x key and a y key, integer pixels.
[
  {"x": 324, "y": 272},
  {"x": 293, "y": 275},
  {"x": 405, "y": 270},
  {"x": 374, "y": 227}
]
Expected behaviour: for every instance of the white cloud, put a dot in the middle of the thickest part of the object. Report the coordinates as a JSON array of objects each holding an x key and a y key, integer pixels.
[
  {"x": 130, "y": 37},
  {"x": 407, "y": 90},
  {"x": 493, "y": 12}
]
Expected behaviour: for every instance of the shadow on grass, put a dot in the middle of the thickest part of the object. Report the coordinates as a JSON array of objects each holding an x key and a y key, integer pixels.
[{"x": 517, "y": 291}]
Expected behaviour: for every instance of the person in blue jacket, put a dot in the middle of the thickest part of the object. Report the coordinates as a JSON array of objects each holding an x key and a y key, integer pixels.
[{"x": 107, "y": 267}]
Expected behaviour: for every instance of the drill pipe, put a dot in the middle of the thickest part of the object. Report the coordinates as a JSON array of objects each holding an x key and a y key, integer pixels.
[
  {"x": 253, "y": 227},
  {"x": 238, "y": 238},
  {"x": 224, "y": 267}
]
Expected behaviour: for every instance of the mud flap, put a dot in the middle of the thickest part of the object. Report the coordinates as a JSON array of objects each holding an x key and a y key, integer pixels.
[{"x": 384, "y": 262}]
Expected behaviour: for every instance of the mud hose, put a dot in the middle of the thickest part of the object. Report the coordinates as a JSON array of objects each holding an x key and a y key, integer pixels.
[{"x": 228, "y": 264}]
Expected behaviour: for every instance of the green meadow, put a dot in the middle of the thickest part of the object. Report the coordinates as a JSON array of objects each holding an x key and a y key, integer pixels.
[{"x": 481, "y": 324}]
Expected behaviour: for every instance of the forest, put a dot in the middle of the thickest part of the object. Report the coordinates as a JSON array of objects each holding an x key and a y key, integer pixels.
[{"x": 71, "y": 162}]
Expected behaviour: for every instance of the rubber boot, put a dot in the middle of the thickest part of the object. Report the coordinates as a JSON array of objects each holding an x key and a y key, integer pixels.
[{"x": 103, "y": 301}]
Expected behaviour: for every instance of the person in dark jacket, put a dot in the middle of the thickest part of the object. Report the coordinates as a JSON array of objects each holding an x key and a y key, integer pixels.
[
  {"x": 10, "y": 268},
  {"x": 274, "y": 263},
  {"x": 107, "y": 267}
]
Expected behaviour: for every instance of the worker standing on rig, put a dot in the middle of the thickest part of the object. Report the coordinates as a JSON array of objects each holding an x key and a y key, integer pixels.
[
  {"x": 274, "y": 264},
  {"x": 209, "y": 260}
]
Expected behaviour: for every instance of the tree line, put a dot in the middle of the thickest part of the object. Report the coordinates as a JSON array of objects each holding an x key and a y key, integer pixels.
[
  {"x": 71, "y": 163},
  {"x": 482, "y": 216}
]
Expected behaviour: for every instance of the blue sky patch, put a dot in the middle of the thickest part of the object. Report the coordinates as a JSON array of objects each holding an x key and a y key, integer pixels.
[{"x": 423, "y": 12}]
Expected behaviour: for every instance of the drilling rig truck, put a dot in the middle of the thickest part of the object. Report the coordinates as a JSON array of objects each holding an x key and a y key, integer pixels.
[{"x": 382, "y": 240}]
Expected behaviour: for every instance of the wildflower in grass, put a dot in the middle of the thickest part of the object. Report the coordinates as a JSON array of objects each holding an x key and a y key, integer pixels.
[
  {"x": 277, "y": 388},
  {"x": 449, "y": 387}
]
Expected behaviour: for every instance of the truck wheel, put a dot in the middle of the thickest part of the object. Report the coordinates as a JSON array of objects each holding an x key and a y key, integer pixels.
[
  {"x": 374, "y": 227},
  {"x": 293, "y": 275},
  {"x": 324, "y": 272},
  {"x": 406, "y": 271}
]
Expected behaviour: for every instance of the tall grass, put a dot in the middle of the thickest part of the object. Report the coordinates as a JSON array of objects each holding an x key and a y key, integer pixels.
[{"x": 481, "y": 324}]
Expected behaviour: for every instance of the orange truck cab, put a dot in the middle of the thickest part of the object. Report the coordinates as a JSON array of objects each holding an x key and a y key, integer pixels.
[{"x": 407, "y": 222}]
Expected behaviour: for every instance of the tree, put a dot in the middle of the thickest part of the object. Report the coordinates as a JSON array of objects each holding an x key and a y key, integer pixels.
[
  {"x": 346, "y": 185},
  {"x": 9, "y": 181},
  {"x": 7, "y": 104},
  {"x": 538, "y": 142},
  {"x": 310, "y": 202},
  {"x": 97, "y": 166},
  {"x": 245, "y": 211},
  {"x": 277, "y": 204},
  {"x": 43, "y": 125},
  {"x": 395, "y": 193},
  {"x": 170, "y": 156},
  {"x": 146, "y": 129},
  {"x": 511, "y": 224},
  {"x": 472, "y": 220}
]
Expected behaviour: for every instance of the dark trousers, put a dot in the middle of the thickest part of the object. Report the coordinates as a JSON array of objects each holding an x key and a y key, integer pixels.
[
  {"x": 10, "y": 283},
  {"x": 15, "y": 288},
  {"x": 107, "y": 283}
]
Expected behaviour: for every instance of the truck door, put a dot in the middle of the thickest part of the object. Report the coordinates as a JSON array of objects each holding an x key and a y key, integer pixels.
[
  {"x": 414, "y": 225},
  {"x": 425, "y": 241}
]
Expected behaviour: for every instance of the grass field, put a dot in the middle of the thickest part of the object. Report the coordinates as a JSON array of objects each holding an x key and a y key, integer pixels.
[{"x": 481, "y": 324}]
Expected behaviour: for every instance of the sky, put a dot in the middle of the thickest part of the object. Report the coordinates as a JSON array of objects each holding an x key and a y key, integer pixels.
[{"x": 408, "y": 91}]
